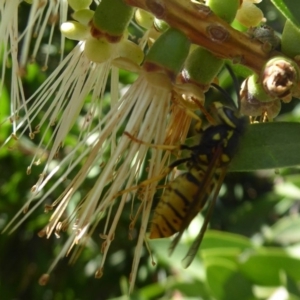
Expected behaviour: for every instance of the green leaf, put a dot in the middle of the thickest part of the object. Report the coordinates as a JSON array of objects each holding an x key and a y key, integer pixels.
[
  {"x": 292, "y": 287},
  {"x": 191, "y": 290},
  {"x": 268, "y": 146},
  {"x": 226, "y": 282},
  {"x": 290, "y": 9},
  {"x": 151, "y": 291},
  {"x": 220, "y": 239},
  {"x": 286, "y": 230},
  {"x": 161, "y": 248},
  {"x": 263, "y": 267}
]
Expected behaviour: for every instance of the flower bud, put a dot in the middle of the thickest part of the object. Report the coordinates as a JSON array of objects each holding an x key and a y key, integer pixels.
[
  {"x": 256, "y": 90},
  {"x": 74, "y": 30},
  {"x": 226, "y": 10},
  {"x": 280, "y": 77},
  {"x": 83, "y": 16},
  {"x": 79, "y": 4},
  {"x": 254, "y": 108},
  {"x": 131, "y": 51},
  {"x": 98, "y": 50},
  {"x": 143, "y": 18},
  {"x": 160, "y": 25},
  {"x": 249, "y": 15},
  {"x": 251, "y": 106}
]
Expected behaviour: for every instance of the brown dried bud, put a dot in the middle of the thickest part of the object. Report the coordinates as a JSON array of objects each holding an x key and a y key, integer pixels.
[{"x": 280, "y": 77}]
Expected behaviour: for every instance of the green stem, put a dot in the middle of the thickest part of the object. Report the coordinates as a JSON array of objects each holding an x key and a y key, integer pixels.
[{"x": 204, "y": 28}]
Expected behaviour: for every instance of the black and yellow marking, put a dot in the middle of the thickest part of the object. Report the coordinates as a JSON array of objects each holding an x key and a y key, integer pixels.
[{"x": 187, "y": 194}]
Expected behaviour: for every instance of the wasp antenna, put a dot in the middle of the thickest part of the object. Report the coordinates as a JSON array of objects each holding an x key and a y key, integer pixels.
[
  {"x": 236, "y": 84},
  {"x": 227, "y": 100}
]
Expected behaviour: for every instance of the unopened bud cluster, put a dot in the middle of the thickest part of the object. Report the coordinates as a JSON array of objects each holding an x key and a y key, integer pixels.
[
  {"x": 104, "y": 33},
  {"x": 99, "y": 46}
]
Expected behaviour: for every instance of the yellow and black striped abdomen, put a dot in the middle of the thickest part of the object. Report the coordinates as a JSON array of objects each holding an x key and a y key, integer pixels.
[{"x": 175, "y": 203}]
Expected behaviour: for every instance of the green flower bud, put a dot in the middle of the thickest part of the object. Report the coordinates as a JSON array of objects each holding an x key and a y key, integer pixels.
[
  {"x": 143, "y": 18},
  {"x": 226, "y": 10},
  {"x": 160, "y": 25},
  {"x": 249, "y": 15},
  {"x": 79, "y": 4},
  {"x": 256, "y": 90},
  {"x": 98, "y": 50},
  {"x": 74, "y": 31},
  {"x": 83, "y": 16},
  {"x": 126, "y": 64},
  {"x": 131, "y": 51},
  {"x": 251, "y": 106}
]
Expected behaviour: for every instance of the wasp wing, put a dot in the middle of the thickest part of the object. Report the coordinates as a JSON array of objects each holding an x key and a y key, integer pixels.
[
  {"x": 200, "y": 198},
  {"x": 187, "y": 260}
]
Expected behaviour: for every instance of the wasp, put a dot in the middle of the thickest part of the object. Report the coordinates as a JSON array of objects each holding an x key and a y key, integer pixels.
[{"x": 187, "y": 194}]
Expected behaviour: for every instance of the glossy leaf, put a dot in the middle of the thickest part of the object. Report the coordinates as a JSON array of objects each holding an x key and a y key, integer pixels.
[
  {"x": 214, "y": 239},
  {"x": 226, "y": 282},
  {"x": 161, "y": 246},
  {"x": 290, "y": 9},
  {"x": 268, "y": 146},
  {"x": 286, "y": 230},
  {"x": 263, "y": 267}
]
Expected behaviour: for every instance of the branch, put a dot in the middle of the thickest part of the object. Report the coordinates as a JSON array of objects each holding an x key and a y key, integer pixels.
[{"x": 204, "y": 28}]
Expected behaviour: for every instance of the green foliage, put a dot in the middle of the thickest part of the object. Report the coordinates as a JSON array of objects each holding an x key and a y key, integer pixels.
[
  {"x": 265, "y": 146},
  {"x": 290, "y": 9},
  {"x": 258, "y": 255}
]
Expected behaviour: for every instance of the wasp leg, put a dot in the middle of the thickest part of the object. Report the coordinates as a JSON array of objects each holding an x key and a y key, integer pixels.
[
  {"x": 207, "y": 115},
  {"x": 179, "y": 90},
  {"x": 164, "y": 147},
  {"x": 155, "y": 178}
]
